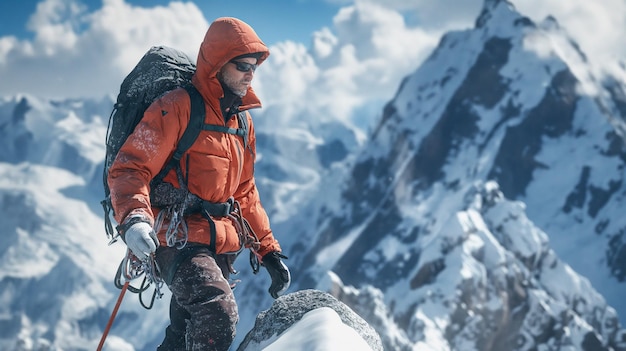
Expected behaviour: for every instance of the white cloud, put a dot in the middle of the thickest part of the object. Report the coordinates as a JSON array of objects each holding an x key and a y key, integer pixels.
[
  {"x": 80, "y": 54},
  {"x": 597, "y": 26},
  {"x": 432, "y": 15},
  {"x": 357, "y": 62}
]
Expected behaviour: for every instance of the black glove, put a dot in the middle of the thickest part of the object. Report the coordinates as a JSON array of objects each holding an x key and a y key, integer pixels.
[{"x": 281, "y": 278}]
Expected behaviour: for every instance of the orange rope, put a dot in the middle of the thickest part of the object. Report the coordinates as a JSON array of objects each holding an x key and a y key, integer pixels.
[{"x": 113, "y": 314}]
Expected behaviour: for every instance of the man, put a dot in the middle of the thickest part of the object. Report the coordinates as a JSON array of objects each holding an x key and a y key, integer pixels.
[{"x": 198, "y": 239}]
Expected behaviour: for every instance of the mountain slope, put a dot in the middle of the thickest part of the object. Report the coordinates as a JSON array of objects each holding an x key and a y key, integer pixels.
[
  {"x": 57, "y": 271},
  {"x": 510, "y": 107}
]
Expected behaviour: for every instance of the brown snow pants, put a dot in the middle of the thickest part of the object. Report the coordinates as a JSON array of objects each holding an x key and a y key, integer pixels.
[{"x": 203, "y": 311}]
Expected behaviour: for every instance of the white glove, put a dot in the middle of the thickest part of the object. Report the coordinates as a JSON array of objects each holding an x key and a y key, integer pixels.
[{"x": 141, "y": 240}]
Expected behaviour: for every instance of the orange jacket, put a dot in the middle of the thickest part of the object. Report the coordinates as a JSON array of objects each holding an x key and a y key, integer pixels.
[{"x": 217, "y": 165}]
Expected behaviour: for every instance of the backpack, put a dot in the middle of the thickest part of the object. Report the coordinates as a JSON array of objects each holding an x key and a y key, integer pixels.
[{"x": 159, "y": 71}]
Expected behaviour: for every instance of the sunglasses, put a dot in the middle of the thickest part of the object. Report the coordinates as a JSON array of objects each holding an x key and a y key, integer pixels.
[{"x": 244, "y": 66}]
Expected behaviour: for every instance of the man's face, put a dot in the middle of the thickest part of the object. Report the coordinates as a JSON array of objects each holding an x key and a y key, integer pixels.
[{"x": 238, "y": 74}]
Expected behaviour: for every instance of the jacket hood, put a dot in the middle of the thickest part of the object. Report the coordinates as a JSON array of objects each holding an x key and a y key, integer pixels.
[{"x": 226, "y": 38}]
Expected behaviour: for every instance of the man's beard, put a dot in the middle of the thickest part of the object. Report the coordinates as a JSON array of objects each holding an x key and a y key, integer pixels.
[{"x": 232, "y": 84}]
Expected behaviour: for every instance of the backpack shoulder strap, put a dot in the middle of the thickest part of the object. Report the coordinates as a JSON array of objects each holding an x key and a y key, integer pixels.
[
  {"x": 196, "y": 121},
  {"x": 243, "y": 125}
]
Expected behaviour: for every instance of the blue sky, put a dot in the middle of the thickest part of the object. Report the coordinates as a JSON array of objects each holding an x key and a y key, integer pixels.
[{"x": 297, "y": 19}]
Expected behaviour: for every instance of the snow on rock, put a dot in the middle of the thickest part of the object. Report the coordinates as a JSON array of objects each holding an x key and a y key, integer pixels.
[{"x": 310, "y": 320}]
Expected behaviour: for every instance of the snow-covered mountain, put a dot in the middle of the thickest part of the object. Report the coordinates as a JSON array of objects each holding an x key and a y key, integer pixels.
[
  {"x": 485, "y": 207},
  {"x": 481, "y": 212}
]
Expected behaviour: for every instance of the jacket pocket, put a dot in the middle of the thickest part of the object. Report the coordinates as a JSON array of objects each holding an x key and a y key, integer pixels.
[{"x": 208, "y": 175}]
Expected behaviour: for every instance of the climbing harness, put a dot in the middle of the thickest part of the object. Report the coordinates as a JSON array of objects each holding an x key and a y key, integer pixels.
[
  {"x": 176, "y": 233},
  {"x": 132, "y": 268}
]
